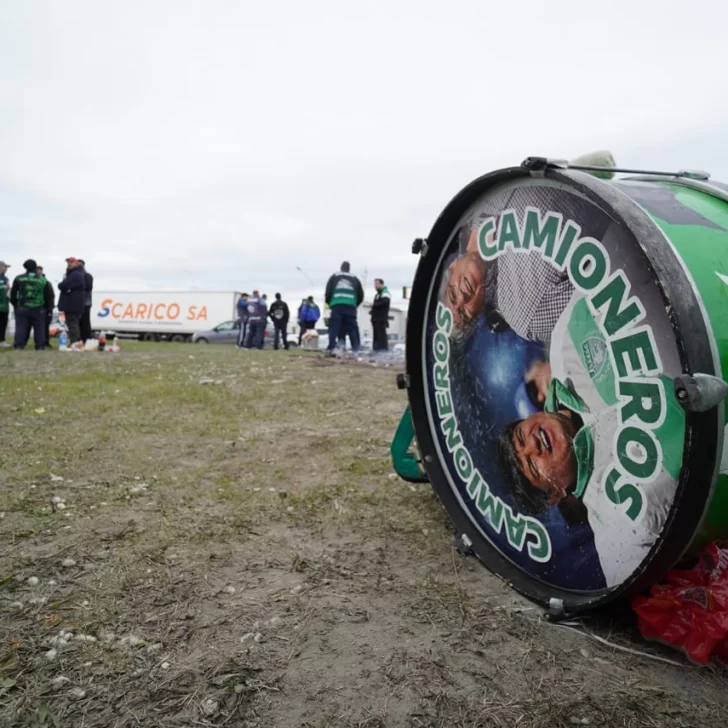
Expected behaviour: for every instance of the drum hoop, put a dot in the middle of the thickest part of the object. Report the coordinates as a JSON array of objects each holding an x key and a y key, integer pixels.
[{"x": 670, "y": 274}]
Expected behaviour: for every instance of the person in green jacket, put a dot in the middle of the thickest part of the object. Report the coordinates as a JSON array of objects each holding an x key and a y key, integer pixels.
[
  {"x": 344, "y": 294},
  {"x": 4, "y": 301},
  {"x": 50, "y": 302},
  {"x": 28, "y": 298}
]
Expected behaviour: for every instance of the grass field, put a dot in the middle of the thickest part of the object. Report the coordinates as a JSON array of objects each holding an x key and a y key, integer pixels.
[{"x": 196, "y": 536}]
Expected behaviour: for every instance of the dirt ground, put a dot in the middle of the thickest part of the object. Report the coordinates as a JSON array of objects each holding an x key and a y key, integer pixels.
[{"x": 196, "y": 536}]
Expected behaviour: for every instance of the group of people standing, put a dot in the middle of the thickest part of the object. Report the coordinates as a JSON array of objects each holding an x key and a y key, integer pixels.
[
  {"x": 344, "y": 294},
  {"x": 253, "y": 314},
  {"x": 33, "y": 299}
]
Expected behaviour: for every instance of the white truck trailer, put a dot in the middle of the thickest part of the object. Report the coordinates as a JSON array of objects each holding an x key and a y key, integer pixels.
[{"x": 161, "y": 315}]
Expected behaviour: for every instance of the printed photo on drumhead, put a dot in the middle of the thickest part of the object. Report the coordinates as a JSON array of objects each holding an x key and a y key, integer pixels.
[{"x": 549, "y": 365}]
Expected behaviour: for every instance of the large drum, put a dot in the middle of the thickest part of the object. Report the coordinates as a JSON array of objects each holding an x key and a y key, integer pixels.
[{"x": 565, "y": 347}]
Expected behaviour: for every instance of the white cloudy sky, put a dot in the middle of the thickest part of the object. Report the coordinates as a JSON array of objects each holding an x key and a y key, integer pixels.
[{"x": 222, "y": 143}]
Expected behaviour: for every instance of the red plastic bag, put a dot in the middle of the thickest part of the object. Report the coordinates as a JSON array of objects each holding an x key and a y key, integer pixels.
[{"x": 690, "y": 610}]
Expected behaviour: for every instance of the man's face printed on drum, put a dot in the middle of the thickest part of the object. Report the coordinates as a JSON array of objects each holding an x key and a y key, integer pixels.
[
  {"x": 465, "y": 292},
  {"x": 544, "y": 452}
]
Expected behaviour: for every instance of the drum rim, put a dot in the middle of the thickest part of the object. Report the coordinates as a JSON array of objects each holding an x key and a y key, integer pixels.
[{"x": 701, "y": 429}]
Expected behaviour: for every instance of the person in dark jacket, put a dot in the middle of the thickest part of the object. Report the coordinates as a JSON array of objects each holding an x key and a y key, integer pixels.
[
  {"x": 344, "y": 294},
  {"x": 28, "y": 298},
  {"x": 73, "y": 298},
  {"x": 242, "y": 307},
  {"x": 86, "y": 332},
  {"x": 257, "y": 316},
  {"x": 280, "y": 314},
  {"x": 380, "y": 316}
]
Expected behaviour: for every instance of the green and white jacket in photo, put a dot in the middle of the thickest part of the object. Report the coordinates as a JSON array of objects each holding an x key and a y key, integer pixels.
[{"x": 584, "y": 381}]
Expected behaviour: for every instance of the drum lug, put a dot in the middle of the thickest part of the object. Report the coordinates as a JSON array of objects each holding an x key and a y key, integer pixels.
[
  {"x": 556, "y": 611},
  {"x": 463, "y": 545},
  {"x": 537, "y": 165},
  {"x": 403, "y": 381},
  {"x": 700, "y": 392},
  {"x": 419, "y": 247}
]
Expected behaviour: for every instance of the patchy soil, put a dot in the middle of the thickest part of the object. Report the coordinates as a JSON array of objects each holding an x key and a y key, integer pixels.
[{"x": 196, "y": 536}]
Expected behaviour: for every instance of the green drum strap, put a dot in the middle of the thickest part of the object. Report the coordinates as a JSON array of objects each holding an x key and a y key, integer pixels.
[{"x": 405, "y": 462}]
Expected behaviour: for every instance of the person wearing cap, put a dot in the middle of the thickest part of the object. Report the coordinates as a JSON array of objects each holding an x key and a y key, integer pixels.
[
  {"x": 28, "y": 298},
  {"x": 73, "y": 298},
  {"x": 562, "y": 455},
  {"x": 86, "y": 332},
  {"x": 279, "y": 314},
  {"x": 4, "y": 301},
  {"x": 344, "y": 294}
]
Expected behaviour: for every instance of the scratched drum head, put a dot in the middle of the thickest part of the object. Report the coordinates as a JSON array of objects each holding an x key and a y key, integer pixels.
[{"x": 552, "y": 318}]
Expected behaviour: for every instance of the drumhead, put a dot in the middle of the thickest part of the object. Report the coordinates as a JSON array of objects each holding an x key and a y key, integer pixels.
[{"x": 544, "y": 339}]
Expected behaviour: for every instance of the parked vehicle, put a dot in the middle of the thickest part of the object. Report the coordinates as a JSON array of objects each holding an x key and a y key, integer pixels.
[
  {"x": 161, "y": 316},
  {"x": 227, "y": 333}
]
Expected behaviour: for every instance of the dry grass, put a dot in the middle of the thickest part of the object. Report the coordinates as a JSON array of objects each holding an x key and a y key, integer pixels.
[{"x": 242, "y": 556}]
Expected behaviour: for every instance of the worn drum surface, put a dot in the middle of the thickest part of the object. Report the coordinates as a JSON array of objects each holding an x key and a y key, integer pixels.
[{"x": 552, "y": 315}]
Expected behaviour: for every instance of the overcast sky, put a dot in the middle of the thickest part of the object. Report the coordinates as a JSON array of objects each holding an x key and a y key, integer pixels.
[{"x": 219, "y": 144}]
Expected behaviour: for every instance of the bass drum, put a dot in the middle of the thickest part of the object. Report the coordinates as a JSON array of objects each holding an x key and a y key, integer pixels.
[{"x": 566, "y": 342}]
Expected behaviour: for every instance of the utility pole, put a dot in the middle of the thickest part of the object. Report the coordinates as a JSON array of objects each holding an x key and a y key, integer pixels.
[{"x": 304, "y": 274}]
